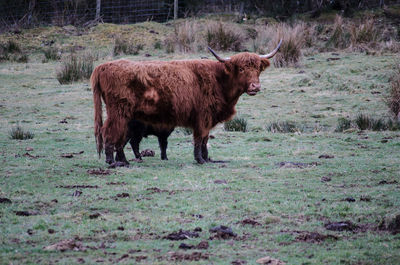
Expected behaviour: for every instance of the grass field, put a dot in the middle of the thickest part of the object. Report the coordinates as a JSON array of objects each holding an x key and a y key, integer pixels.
[{"x": 279, "y": 191}]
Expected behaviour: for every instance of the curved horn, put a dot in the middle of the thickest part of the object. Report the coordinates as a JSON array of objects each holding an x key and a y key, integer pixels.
[
  {"x": 271, "y": 54},
  {"x": 217, "y": 56}
]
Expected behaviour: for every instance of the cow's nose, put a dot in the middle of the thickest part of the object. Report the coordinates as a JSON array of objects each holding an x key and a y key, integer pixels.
[{"x": 255, "y": 86}]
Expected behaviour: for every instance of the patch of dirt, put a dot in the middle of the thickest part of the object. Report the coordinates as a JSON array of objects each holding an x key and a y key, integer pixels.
[
  {"x": 99, "y": 171},
  {"x": 71, "y": 155},
  {"x": 147, "y": 152},
  {"x": 181, "y": 235},
  {"x": 349, "y": 199},
  {"x": 384, "y": 182},
  {"x": 314, "y": 237},
  {"x": 66, "y": 244},
  {"x": 249, "y": 222},
  {"x": 31, "y": 156},
  {"x": 24, "y": 213},
  {"x": 116, "y": 183},
  {"x": 203, "y": 245},
  {"x": 239, "y": 262},
  {"x": 194, "y": 256},
  {"x": 326, "y": 179},
  {"x": 269, "y": 260},
  {"x": 51, "y": 231},
  {"x": 78, "y": 186},
  {"x": 325, "y": 156},
  {"x": 94, "y": 216},
  {"x": 185, "y": 246},
  {"x": 123, "y": 195},
  {"x": 220, "y": 181},
  {"x": 199, "y": 216},
  {"x": 5, "y": 200},
  {"x": 365, "y": 198},
  {"x": 222, "y": 232},
  {"x": 155, "y": 190},
  {"x": 341, "y": 226},
  {"x": 296, "y": 164}
]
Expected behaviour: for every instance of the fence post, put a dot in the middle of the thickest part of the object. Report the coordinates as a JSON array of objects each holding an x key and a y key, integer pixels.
[
  {"x": 175, "y": 9},
  {"x": 98, "y": 4}
]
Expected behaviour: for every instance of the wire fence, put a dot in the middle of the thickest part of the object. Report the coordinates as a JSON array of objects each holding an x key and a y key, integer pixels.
[{"x": 79, "y": 12}]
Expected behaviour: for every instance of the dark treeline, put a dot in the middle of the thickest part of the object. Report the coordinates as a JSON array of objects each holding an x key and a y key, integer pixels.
[{"x": 78, "y": 12}]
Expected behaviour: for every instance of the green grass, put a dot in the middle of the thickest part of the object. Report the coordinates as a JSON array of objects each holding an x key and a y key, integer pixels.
[{"x": 252, "y": 185}]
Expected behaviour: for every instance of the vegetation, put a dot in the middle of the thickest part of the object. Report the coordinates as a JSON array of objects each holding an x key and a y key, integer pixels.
[
  {"x": 393, "y": 100},
  {"x": 18, "y": 133},
  {"x": 224, "y": 36},
  {"x": 283, "y": 127},
  {"x": 123, "y": 46},
  {"x": 237, "y": 124},
  {"x": 51, "y": 54},
  {"x": 75, "y": 68}
]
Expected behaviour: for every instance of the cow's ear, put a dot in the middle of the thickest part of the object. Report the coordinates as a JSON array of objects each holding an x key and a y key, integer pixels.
[
  {"x": 264, "y": 64},
  {"x": 229, "y": 67}
]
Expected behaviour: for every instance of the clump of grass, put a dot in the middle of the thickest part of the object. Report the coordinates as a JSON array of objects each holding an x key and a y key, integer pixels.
[
  {"x": 237, "y": 124},
  {"x": 123, "y": 46},
  {"x": 343, "y": 124},
  {"x": 51, "y": 54},
  {"x": 340, "y": 37},
  {"x": 393, "y": 99},
  {"x": 186, "y": 37},
  {"x": 292, "y": 41},
  {"x": 225, "y": 36},
  {"x": 18, "y": 133},
  {"x": 157, "y": 45},
  {"x": 261, "y": 37},
  {"x": 363, "y": 34},
  {"x": 363, "y": 121},
  {"x": 283, "y": 127},
  {"x": 75, "y": 68},
  {"x": 12, "y": 46}
]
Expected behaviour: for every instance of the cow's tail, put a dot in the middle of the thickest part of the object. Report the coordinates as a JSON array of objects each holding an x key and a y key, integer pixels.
[{"x": 98, "y": 112}]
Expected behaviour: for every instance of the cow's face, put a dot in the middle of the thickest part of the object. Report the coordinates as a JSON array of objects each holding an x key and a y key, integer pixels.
[{"x": 244, "y": 70}]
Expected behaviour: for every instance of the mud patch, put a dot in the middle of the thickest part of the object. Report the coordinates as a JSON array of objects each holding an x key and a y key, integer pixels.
[
  {"x": 326, "y": 179},
  {"x": 71, "y": 155},
  {"x": 78, "y": 186},
  {"x": 181, "y": 235},
  {"x": 222, "y": 232},
  {"x": 195, "y": 256},
  {"x": 325, "y": 156},
  {"x": 220, "y": 181},
  {"x": 201, "y": 245},
  {"x": 249, "y": 222},
  {"x": 116, "y": 183},
  {"x": 94, "y": 216},
  {"x": 123, "y": 195},
  {"x": 31, "y": 156},
  {"x": 385, "y": 182},
  {"x": 269, "y": 260},
  {"x": 341, "y": 226},
  {"x": 66, "y": 244},
  {"x": 314, "y": 237},
  {"x": 238, "y": 262},
  {"x": 296, "y": 164},
  {"x": 25, "y": 213},
  {"x": 99, "y": 171},
  {"x": 5, "y": 200}
]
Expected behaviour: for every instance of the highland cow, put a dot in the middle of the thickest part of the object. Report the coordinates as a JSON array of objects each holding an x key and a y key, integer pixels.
[{"x": 196, "y": 94}]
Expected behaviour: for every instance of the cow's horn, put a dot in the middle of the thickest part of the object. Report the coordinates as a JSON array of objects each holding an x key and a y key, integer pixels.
[
  {"x": 218, "y": 57},
  {"x": 271, "y": 54}
]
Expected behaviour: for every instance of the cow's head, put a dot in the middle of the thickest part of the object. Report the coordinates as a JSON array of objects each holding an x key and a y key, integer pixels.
[{"x": 245, "y": 68}]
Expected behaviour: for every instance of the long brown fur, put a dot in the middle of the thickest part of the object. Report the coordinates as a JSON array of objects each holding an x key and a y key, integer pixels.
[{"x": 197, "y": 94}]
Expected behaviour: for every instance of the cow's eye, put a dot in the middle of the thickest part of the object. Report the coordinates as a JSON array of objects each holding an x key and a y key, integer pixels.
[{"x": 241, "y": 70}]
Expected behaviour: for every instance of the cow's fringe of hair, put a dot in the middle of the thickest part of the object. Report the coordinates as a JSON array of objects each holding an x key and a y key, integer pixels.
[{"x": 98, "y": 112}]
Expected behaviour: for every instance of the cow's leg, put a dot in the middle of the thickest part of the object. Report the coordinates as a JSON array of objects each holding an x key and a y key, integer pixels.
[
  {"x": 114, "y": 134},
  {"x": 204, "y": 150},
  {"x": 109, "y": 150},
  {"x": 163, "y": 143},
  {"x": 135, "y": 143},
  {"x": 198, "y": 136}
]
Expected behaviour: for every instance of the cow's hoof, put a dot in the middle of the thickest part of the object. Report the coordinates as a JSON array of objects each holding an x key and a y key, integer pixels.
[
  {"x": 118, "y": 164},
  {"x": 164, "y": 158},
  {"x": 200, "y": 161}
]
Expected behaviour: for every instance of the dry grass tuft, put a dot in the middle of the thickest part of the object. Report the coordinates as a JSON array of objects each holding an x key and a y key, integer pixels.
[
  {"x": 225, "y": 36},
  {"x": 75, "y": 68},
  {"x": 340, "y": 37},
  {"x": 292, "y": 42},
  {"x": 237, "y": 124},
  {"x": 126, "y": 46},
  {"x": 393, "y": 100},
  {"x": 18, "y": 133},
  {"x": 364, "y": 36},
  {"x": 187, "y": 37}
]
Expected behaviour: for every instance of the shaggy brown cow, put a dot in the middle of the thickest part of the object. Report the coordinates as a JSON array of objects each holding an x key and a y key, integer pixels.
[{"x": 196, "y": 94}]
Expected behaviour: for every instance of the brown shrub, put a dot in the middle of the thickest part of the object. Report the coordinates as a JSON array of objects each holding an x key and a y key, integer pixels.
[
  {"x": 225, "y": 36},
  {"x": 292, "y": 42},
  {"x": 393, "y": 99},
  {"x": 340, "y": 37}
]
